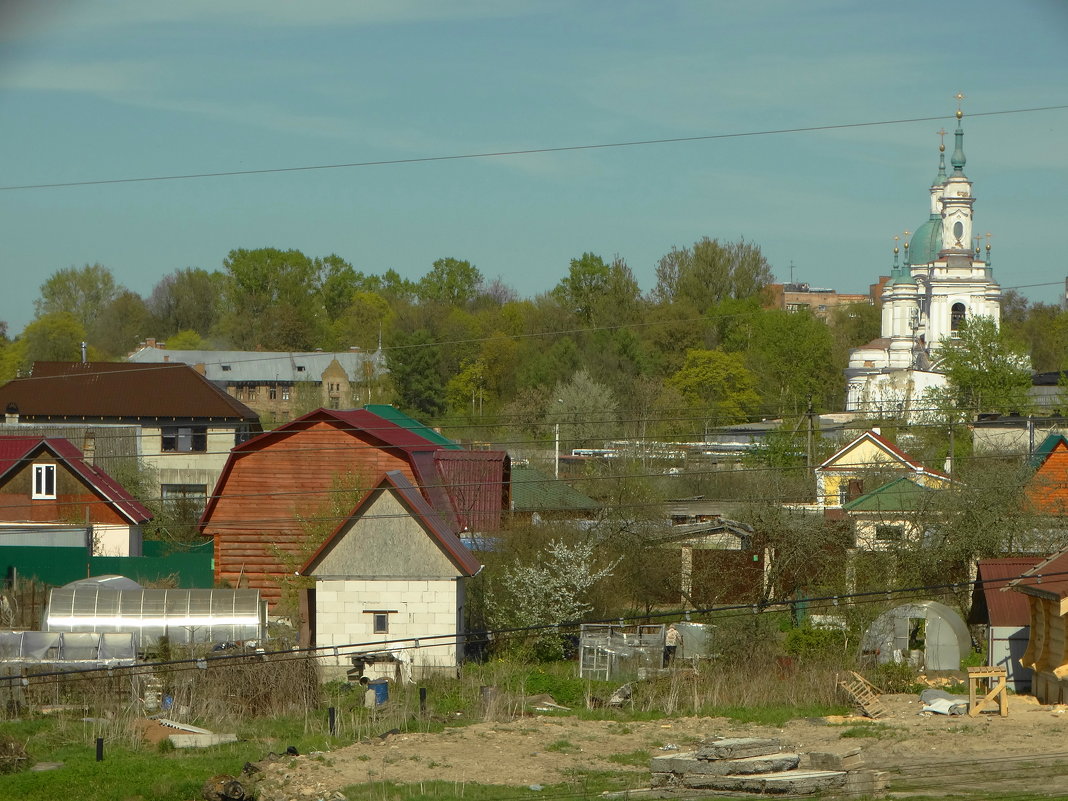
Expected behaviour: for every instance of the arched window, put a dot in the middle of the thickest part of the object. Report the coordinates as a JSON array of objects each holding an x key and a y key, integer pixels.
[{"x": 956, "y": 316}]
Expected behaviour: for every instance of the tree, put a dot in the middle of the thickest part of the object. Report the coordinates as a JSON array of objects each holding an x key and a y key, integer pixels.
[
  {"x": 554, "y": 589},
  {"x": 121, "y": 325},
  {"x": 186, "y": 300},
  {"x": 82, "y": 293},
  {"x": 187, "y": 340},
  {"x": 596, "y": 292},
  {"x": 710, "y": 272},
  {"x": 718, "y": 386},
  {"x": 986, "y": 371},
  {"x": 55, "y": 337},
  {"x": 272, "y": 300},
  {"x": 413, "y": 363},
  {"x": 450, "y": 282},
  {"x": 585, "y": 411}
]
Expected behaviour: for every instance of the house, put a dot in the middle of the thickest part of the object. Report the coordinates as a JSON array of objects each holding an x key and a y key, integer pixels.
[
  {"x": 868, "y": 456},
  {"x": 1005, "y": 615},
  {"x": 51, "y": 496},
  {"x": 1013, "y": 434},
  {"x": 1047, "y": 489},
  {"x": 281, "y": 489},
  {"x": 1046, "y": 588},
  {"x": 389, "y": 586},
  {"x": 537, "y": 496},
  {"x": 277, "y": 384},
  {"x": 890, "y": 515},
  {"x": 186, "y": 424}
]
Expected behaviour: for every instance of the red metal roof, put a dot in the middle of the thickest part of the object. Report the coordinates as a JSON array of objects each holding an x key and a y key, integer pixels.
[
  {"x": 886, "y": 445},
  {"x": 431, "y": 521},
  {"x": 1048, "y": 579},
  {"x": 120, "y": 390},
  {"x": 16, "y": 451},
  {"x": 1004, "y": 608},
  {"x": 478, "y": 486}
]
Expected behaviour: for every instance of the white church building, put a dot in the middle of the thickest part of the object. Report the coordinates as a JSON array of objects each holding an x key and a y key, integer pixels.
[{"x": 942, "y": 283}]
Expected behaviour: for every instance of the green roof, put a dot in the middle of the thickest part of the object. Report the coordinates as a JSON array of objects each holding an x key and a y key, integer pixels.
[
  {"x": 900, "y": 495},
  {"x": 534, "y": 491},
  {"x": 1043, "y": 451},
  {"x": 926, "y": 242},
  {"x": 397, "y": 417}
]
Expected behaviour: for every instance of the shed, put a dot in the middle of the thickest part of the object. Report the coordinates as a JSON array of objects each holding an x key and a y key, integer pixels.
[
  {"x": 1046, "y": 588},
  {"x": 1006, "y": 616},
  {"x": 926, "y": 634}
]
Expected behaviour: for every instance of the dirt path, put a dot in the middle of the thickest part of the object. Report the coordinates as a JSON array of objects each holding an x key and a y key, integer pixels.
[{"x": 1025, "y": 752}]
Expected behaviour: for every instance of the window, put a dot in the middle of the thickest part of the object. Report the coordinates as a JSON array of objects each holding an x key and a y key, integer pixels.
[
  {"x": 285, "y": 393},
  {"x": 226, "y": 368},
  {"x": 956, "y": 316},
  {"x": 272, "y": 392},
  {"x": 184, "y": 439},
  {"x": 300, "y": 368},
  {"x": 380, "y": 620},
  {"x": 889, "y": 533},
  {"x": 44, "y": 481},
  {"x": 252, "y": 393}
]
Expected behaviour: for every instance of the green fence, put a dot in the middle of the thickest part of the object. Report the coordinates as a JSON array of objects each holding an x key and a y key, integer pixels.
[{"x": 188, "y": 566}]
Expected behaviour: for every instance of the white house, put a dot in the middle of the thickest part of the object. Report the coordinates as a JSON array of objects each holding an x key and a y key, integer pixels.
[{"x": 389, "y": 587}]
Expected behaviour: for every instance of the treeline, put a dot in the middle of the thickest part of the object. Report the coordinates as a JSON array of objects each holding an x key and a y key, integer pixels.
[{"x": 593, "y": 354}]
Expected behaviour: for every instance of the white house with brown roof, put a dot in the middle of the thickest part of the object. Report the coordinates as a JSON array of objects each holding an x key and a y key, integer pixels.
[
  {"x": 186, "y": 424},
  {"x": 389, "y": 587}
]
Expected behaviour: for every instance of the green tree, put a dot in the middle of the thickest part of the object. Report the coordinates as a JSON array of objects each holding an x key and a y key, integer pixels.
[
  {"x": 450, "y": 282},
  {"x": 121, "y": 325},
  {"x": 710, "y": 272},
  {"x": 55, "y": 337},
  {"x": 413, "y": 363},
  {"x": 272, "y": 300},
  {"x": 186, "y": 300},
  {"x": 586, "y": 411},
  {"x": 718, "y": 386},
  {"x": 596, "y": 292},
  {"x": 187, "y": 340},
  {"x": 82, "y": 293},
  {"x": 986, "y": 371}
]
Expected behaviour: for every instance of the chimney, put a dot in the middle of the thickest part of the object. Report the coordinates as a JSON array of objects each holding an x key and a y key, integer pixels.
[
  {"x": 855, "y": 490},
  {"x": 150, "y": 342},
  {"x": 89, "y": 448},
  {"x": 85, "y": 346},
  {"x": 11, "y": 415},
  {"x": 876, "y": 431}
]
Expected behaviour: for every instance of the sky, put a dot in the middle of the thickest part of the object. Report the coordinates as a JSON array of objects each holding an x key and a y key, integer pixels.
[{"x": 102, "y": 90}]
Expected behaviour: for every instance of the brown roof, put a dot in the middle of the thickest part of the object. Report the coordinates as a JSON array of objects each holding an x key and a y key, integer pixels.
[
  {"x": 118, "y": 390},
  {"x": 889, "y": 447},
  {"x": 1047, "y": 579},
  {"x": 991, "y": 605}
]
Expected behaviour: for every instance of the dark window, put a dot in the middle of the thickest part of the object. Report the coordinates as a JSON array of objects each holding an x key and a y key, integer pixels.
[
  {"x": 956, "y": 316},
  {"x": 381, "y": 623},
  {"x": 272, "y": 392},
  {"x": 184, "y": 439},
  {"x": 889, "y": 533}
]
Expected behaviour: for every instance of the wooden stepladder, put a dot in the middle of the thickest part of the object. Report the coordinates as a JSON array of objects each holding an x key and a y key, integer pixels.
[
  {"x": 864, "y": 694},
  {"x": 997, "y": 689}
]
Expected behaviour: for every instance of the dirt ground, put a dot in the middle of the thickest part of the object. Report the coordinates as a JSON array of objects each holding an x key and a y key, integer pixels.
[{"x": 1026, "y": 752}]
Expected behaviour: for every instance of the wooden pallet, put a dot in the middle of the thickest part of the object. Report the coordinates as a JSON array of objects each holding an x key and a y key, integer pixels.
[{"x": 863, "y": 693}]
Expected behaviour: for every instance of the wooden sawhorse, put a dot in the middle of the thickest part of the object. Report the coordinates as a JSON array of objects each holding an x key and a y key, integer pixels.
[{"x": 997, "y": 689}]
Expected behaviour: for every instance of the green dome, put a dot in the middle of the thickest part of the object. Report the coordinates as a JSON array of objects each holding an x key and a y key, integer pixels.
[{"x": 926, "y": 242}]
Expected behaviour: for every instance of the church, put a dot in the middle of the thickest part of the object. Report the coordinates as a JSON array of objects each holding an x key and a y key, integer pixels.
[{"x": 941, "y": 283}]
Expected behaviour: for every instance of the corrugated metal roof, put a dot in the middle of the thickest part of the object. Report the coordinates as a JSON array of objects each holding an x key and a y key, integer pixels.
[
  {"x": 477, "y": 483},
  {"x": 535, "y": 491},
  {"x": 888, "y": 447},
  {"x": 1002, "y": 608},
  {"x": 397, "y": 417},
  {"x": 1047, "y": 579},
  {"x": 900, "y": 495},
  {"x": 113, "y": 390},
  {"x": 266, "y": 366},
  {"x": 16, "y": 451},
  {"x": 1048, "y": 446}
]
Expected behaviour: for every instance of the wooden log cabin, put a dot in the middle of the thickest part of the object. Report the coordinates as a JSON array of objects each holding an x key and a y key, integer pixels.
[
  {"x": 1046, "y": 588},
  {"x": 282, "y": 493}
]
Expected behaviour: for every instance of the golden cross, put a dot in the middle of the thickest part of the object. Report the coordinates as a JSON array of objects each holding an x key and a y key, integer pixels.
[
  {"x": 959, "y": 96},
  {"x": 942, "y": 136}
]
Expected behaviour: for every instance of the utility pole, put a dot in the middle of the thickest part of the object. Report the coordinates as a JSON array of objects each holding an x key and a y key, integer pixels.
[{"x": 809, "y": 448}]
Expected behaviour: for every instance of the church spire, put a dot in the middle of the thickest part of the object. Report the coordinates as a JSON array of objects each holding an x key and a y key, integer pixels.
[{"x": 958, "y": 161}]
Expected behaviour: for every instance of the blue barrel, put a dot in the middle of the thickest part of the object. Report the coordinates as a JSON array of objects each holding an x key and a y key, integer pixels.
[{"x": 381, "y": 688}]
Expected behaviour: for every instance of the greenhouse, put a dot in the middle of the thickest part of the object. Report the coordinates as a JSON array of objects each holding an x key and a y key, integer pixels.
[
  {"x": 182, "y": 616},
  {"x": 79, "y": 650}
]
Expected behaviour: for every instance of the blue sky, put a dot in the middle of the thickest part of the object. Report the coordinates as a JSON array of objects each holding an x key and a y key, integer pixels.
[{"x": 96, "y": 90}]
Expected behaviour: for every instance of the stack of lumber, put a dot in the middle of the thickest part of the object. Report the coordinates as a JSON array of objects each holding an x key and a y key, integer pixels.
[{"x": 760, "y": 766}]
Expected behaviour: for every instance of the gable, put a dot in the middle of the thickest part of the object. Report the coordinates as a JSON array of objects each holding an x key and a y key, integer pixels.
[
  {"x": 385, "y": 541},
  {"x": 865, "y": 453},
  {"x": 1048, "y": 487}
]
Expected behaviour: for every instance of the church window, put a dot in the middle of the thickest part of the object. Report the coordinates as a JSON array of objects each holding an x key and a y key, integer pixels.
[{"x": 956, "y": 316}]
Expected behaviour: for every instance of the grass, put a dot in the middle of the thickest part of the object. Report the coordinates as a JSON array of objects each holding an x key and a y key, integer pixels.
[
  {"x": 876, "y": 730},
  {"x": 639, "y": 758},
  {"x": 582, "y": 783}
]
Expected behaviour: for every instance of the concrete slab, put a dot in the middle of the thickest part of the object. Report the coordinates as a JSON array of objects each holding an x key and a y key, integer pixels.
[
  {"x": 201, "y": 740},
  {"x": 689, "y": 765},
  {"x": 737, "y": 747},
  {"x": 796, "y": 782}
]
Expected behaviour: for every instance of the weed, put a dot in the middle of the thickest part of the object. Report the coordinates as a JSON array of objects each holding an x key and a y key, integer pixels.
[
  {"x": 878, "y": 730},
  {"x": 637, "y": 758},
  {"x": 561, "y": 746}
]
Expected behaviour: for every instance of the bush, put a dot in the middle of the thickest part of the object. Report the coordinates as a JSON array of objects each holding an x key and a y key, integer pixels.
[{"x": 812, "y": 643}]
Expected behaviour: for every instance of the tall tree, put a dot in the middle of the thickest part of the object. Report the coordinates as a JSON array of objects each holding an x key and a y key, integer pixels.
[
  {"x": 710, "y": 272},
  {"x": 186, "y": 300},
  {"x": 272, "y": 300},
  {"x": 596, "y": 292},
  {"x": 82, "y": 293},
  {"x": 413, "y": 364},
  {"x": 986, "y": 370},
  {"x": 450, "y": 282},
  {"x": 123, "y": 323},
  {"x": 718, "y": 386},
  {"x": 586, "y": 411}
]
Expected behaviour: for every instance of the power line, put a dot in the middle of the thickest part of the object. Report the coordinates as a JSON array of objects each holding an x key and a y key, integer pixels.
[{"x": 523, "y": 152}]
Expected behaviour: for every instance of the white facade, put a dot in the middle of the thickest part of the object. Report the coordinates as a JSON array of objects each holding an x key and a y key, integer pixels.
[
  {"x": 423, "y": 619},
  {"x": 943, "y": 282}
]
